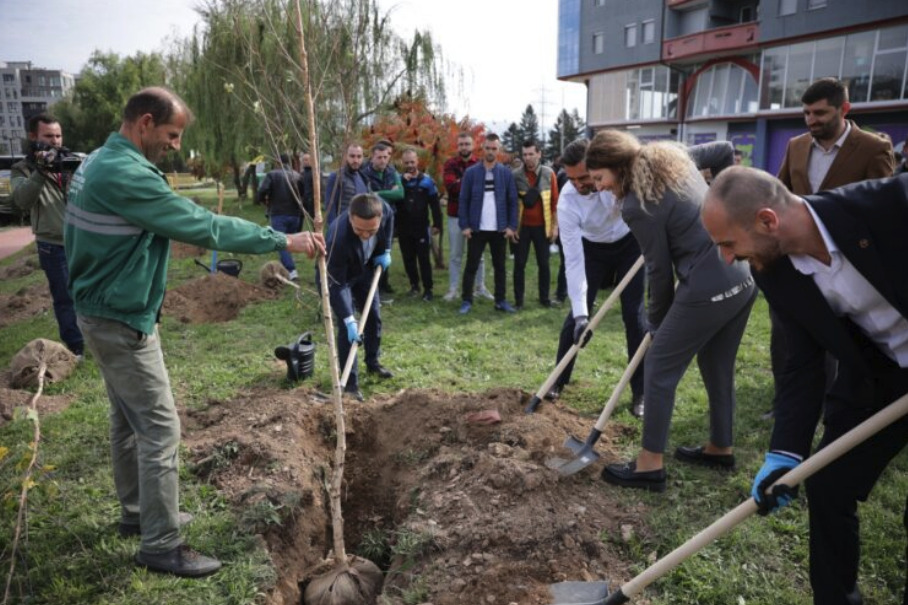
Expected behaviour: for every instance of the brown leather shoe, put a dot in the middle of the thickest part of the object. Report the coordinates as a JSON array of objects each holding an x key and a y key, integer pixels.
[{"x": 181, "y": 561}]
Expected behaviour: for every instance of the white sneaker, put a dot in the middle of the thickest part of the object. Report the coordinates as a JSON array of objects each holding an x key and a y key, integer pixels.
[
  {"x": 294, "y": 276},
  {"x": 482, "y": 292},
  {"x": 451, "y": 295}
]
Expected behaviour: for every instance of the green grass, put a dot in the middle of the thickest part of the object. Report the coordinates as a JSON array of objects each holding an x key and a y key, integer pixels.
[{"x": 72, "y": 554}]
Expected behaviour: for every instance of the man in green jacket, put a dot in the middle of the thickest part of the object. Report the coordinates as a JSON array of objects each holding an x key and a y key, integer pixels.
[
  {"x": 39, "y": 188},
  {"x": 120, "y": 219}
]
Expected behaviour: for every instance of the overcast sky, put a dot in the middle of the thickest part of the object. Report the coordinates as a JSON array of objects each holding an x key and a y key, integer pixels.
[{"x": 504, "y": 49}]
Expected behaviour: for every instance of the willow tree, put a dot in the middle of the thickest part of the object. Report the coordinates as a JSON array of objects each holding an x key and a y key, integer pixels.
[{"x": 240, "y": 72}]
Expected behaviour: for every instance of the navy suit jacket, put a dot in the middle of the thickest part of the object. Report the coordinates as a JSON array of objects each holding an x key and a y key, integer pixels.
[
  {"x": 346, "y": 261},
  {"x": 868, "y": 222},
  {"x": 472, "y": 193}
]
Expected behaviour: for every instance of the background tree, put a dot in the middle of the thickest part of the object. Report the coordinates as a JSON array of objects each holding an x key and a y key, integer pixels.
[
  {"x": 94, "y": 108},
  {"x": 568, "y": 127},
  {"x": 511, "y": 139},
  {"x": 529, "y": 127}
]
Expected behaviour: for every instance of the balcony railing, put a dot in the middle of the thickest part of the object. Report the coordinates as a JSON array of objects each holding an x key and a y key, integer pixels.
[{"x": 734, "y": 37}]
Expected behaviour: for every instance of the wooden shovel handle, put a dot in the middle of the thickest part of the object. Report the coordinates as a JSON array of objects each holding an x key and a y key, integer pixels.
[
  {"x": 622, "y": 384},
  {"x": 608, "y": 304},
  {"x": 794, "y": 477},
  {"x": 348, "y": 365}
]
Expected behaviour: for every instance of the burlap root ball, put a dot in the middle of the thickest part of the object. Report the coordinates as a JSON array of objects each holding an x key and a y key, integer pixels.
[
  {"x": 359, "y": 584},
  {"x": 24, "y": 365},
  {"x": 268, "y": 273}
]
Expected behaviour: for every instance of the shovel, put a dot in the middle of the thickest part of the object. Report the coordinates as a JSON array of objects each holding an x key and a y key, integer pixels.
[
  {"x": 348, "y": 366},
  {"x": 583, "y": 450},
  {"x": 856, "y": 436},
  {"x": 608, "y": 304}
]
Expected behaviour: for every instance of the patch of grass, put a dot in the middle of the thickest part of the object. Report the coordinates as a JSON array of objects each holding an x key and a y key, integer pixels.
[{"x": 73, "y": 554}]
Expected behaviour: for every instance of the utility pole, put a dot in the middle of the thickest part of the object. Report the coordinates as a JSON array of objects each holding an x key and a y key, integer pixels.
[{"x": 542, "y": 105}]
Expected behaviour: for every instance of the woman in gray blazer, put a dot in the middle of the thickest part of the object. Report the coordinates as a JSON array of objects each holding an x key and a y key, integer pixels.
[{"x": 660, "y": 190}]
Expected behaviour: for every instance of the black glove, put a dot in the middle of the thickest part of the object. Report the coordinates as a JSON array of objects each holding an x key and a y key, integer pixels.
[{"x": 580, "y": 324}]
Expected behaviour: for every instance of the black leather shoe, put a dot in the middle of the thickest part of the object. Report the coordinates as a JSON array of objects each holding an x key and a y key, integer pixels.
[
  {"x": 381, "y": 371},
  {"x": 625, "y": 474},
  {"x": 637, "y": 406},
  {"x": 180, "y": 561},
  {"x": 355, "y": 393},
  {"x": 128, "y": 530},
  {"x": 696, "y": 455},
  {"x": 554, "y": 393}
]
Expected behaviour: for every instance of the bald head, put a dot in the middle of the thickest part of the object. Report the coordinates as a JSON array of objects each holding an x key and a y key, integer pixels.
[
  {"x": 158, "y": 102},
  {"x": 741, "y": 192}
]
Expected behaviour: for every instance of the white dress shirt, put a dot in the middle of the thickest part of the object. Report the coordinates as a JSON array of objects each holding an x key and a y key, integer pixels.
[
  {"x": 595, "y": 217},
  {"x": 850, "y": 294},
  {"x": 819, "y": 160}
]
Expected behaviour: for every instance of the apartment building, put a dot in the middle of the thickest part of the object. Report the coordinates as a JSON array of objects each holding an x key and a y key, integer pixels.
[
  {"x": 25, "y": 91},
  {"x": 702, "y": 70}
]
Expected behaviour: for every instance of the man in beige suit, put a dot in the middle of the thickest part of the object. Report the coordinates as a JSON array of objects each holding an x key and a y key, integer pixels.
[{"x": 835, "y": 152}]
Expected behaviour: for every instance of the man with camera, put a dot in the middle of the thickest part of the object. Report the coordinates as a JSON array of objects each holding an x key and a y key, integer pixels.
[{"x": 39, "y": 185}]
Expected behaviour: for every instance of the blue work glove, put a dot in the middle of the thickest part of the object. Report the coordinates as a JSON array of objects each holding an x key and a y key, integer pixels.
[
  {"x": 580, "y": 324},
  {"x": 353, "y": 331},
  {"x": 383, "y": 259},
  {"x": 776, "y": 465}
]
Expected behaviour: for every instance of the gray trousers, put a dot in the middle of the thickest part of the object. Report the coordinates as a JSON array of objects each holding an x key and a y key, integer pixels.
[
  {"x": 144, "y": 428},
  {"x": 712, "y": 331}
]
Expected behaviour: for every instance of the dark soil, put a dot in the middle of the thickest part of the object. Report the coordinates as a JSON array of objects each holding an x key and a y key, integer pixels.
[
  {"x": 490, "y": 522},
  {"x": 212, "y": 298}
]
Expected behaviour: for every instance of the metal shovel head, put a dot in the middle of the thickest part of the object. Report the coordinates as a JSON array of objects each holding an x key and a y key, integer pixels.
[
  {"x": 575, "y": 445},
  {"x": 579, "y": 593},
  {"x": 579, "y": 463}
]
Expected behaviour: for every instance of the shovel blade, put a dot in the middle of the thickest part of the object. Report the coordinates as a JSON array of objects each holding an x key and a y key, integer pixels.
[
  {"x": 579, "y": 593},
  {"x": 579, "y": 463},
  {"x": 575, "y": 445}
]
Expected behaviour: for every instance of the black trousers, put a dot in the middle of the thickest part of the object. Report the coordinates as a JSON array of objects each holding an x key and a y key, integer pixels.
[
  {"x": 561, "y": 280},
  {"x": 476, "y": 245},
  {"x": 834, "y": 492},
  {"x": 416, "y": 252},
  {"x": 371, "y": 333},
  {"x": 534, "y": 236},
  {"x": 605, "y": 266}
]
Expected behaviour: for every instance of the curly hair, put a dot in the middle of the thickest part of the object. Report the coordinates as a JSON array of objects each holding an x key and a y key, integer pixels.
[{"x": 646, "y": 170}]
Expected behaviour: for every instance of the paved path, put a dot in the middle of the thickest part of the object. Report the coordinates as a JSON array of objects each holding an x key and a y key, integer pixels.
[{"x": 13, "y": 240}]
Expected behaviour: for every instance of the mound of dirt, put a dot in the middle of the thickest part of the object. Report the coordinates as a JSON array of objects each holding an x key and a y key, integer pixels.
[
  {"x": 213, "y": 298},
  {"x": 21, "y": 267},
  {"x": 454, "y": 511},
  {"x": 181, "y": 250},
  {"x": 26, "y": 303},
  {"x": 10, "y": 399}
]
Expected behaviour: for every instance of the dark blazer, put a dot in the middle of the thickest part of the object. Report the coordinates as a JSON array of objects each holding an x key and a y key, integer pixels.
[
  {"x": 346, "y": 262},
  {"x": 472, "y": 192},
  {"x": 867, "y": 222},
  {"x": 863, "y": 156}
]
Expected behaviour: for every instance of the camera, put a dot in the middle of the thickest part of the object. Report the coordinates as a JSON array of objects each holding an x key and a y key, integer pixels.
[{"x": 54, "y": 159}]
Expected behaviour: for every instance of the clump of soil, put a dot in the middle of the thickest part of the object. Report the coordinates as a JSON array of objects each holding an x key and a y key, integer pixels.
[
  {"x": 21, "y": 267},
  {"x": 457, "y": 512},
  {"x": 10, "y": 399},
  {"x": 24, "y": 304},
  {"x": 216, "y": 297},
  {"x": 181, "y": 250}
]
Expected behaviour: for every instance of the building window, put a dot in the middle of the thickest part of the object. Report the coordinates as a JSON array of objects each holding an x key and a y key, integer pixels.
[
  {"x": 9, "y": 78},
  {"x": 813, "y": 4},
  {"x": 649, "y": 31},
  {"x": 788, "y": 7},
  {"x": 872, "y": 64},
  {"x": 599, "y": 43},
  {"x": 746, "y": 15},
  {"x": 630, "y": 35},
  {"x": 725, "y": 89},
  {"x": 598, "y": 2},
  {"x": 568, "y": 38}
]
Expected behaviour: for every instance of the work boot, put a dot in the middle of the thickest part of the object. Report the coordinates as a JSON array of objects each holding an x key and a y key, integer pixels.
[
  {"x": 181, "y": 561},
  {"x": 381, "y": 371},
  {"x": 128, "y": 530}
]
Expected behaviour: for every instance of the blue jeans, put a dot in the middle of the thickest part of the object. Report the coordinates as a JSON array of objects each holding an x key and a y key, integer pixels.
[
  {"x": 286, "y": 224},
  {"x": 53, "y": 262}
]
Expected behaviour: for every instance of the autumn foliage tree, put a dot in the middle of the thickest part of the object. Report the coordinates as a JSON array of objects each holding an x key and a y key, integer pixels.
[{"x": 410, "y": 124}]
